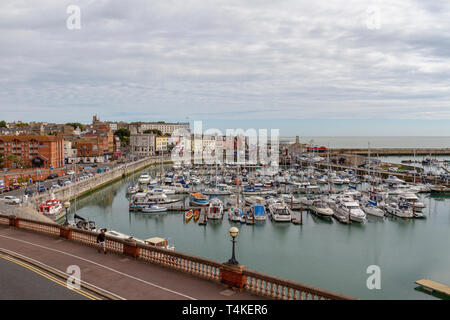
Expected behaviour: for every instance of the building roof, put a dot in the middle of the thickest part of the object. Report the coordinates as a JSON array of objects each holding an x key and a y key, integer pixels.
[{"x": 31, "y": 137}]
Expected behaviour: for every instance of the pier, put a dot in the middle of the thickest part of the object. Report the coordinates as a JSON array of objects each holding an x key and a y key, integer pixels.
[
  {"x": 392, "y": 151},
  {"x": 434, "y": 286}
]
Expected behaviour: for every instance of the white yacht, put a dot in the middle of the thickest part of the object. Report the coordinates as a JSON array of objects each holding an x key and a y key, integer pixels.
[
  {"x": 215, "y": 209},
  {"x": 154, "y": 209},
  {"x": 144, "y": 178},
  {"x": 280, "y": 212},
  {"x": 412, "y": 200},
  {"x": 399, "y": 209},
  {"x": 347, "y": 206},
  {"x": 321, "y": 208},
  {"x": 371, "y": 208}
]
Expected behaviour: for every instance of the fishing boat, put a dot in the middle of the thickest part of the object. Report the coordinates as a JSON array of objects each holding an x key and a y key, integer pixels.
[
  {"x": 198, "y": 199},
  {"x": 215, "y": 210},
  {"x": 52, "y": 207}
]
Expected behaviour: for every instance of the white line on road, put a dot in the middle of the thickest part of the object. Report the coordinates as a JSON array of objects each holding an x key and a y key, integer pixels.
[{"x": 97, "y": 264}]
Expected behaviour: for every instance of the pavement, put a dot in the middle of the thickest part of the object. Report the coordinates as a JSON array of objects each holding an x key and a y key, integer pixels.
[{"x": 117, "y": 275}]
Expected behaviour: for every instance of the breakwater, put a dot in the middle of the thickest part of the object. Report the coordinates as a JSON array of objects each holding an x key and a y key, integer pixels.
[{"x": 392, "y": 151}]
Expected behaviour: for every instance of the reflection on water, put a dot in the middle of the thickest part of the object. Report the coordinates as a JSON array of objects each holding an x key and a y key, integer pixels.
[{"x": 321, "y": 253}]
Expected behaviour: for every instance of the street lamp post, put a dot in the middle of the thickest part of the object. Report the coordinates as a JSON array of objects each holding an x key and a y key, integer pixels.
[
  {"x": 233, "y": 233},
  {"x": 66, "y": 206}
]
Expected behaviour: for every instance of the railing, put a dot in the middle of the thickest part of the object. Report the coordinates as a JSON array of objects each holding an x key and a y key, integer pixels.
[
  {"x": 277, "y": 288},
  {"x": 42, "y": 227},
  {"x": 201, "y": 267},
  {"x": 4, "y": 220},
  {"x": 256, "y": 283}
]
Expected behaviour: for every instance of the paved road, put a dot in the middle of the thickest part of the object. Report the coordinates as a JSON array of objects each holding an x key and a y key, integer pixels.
[
  {"x": 19, "y": 281},
  {"x": 48, "y": 183},
  {"x": 117, "y": 274}
]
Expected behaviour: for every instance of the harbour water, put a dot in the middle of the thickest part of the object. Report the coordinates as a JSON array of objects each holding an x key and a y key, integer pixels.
[{"x": 325, "y": 254}]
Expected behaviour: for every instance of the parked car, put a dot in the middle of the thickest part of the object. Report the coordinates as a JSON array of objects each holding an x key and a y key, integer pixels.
[
  {"x": 11, "y": 200},
  {"x": 55, "y": 186},
  {"x": 29, "y": 192},
  {"x": 4, "y": 189},
  {"x": 70, "y": 172},
  {"x": 41, "y": 188},
  {"x": 53, "y": 176}
]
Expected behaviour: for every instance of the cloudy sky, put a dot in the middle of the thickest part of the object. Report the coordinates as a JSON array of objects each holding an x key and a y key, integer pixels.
[{"x": 255, "y": 62}]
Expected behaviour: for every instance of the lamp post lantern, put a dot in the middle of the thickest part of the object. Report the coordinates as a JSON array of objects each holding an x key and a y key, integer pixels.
[
  {"x": 66, "y": 206},
  {"x": 233, "y": 233}
]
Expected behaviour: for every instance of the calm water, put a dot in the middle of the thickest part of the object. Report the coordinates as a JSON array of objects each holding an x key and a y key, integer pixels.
[{"x": 329, "y": 255}]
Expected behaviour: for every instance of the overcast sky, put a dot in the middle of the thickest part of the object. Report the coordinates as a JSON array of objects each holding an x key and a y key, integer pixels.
[{"x": 252, "y": 60}]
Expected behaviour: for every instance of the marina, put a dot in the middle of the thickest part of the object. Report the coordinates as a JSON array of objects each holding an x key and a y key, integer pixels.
[{"x": 313, "y": 237}]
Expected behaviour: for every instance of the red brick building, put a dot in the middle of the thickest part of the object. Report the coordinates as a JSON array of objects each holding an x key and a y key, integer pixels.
[{"x": 32, "y": 151}]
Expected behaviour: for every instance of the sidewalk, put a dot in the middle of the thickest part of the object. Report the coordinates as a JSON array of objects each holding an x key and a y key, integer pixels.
[{"x": 118, "y": 274}]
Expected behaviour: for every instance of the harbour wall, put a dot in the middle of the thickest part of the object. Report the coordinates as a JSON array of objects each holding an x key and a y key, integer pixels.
[
  {"x": 83, "y": 187},
  {"x": 392, "y": 151}
]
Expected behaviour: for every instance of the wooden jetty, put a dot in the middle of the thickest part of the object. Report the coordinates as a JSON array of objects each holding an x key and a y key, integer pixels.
[
  {"x": 203, "y": 217},
  {"x": 433, "y": 286}
]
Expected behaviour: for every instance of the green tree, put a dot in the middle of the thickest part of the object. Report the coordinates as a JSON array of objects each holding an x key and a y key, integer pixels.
[
  {"x": 75, "y": 125},
  {"x": 15, "y": 160},
  {"x": 124, "y": 136},
  {"x": 2, "y": 160},
  {"x": 2, "y": 124},
  {"x": 155, "y": 131}
]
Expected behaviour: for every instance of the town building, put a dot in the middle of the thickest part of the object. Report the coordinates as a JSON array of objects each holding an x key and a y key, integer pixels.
[
  {"x": 165, "y": 127},
  {"x": 33, "y": 151},
  {"x": 143, "y": 145}
]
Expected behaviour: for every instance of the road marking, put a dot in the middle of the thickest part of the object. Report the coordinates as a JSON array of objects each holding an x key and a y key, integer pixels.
[
  {"x": 108, "y": 268},
  {"x": 49, "y": 277},
  {"x": 13, "y": 253}
]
